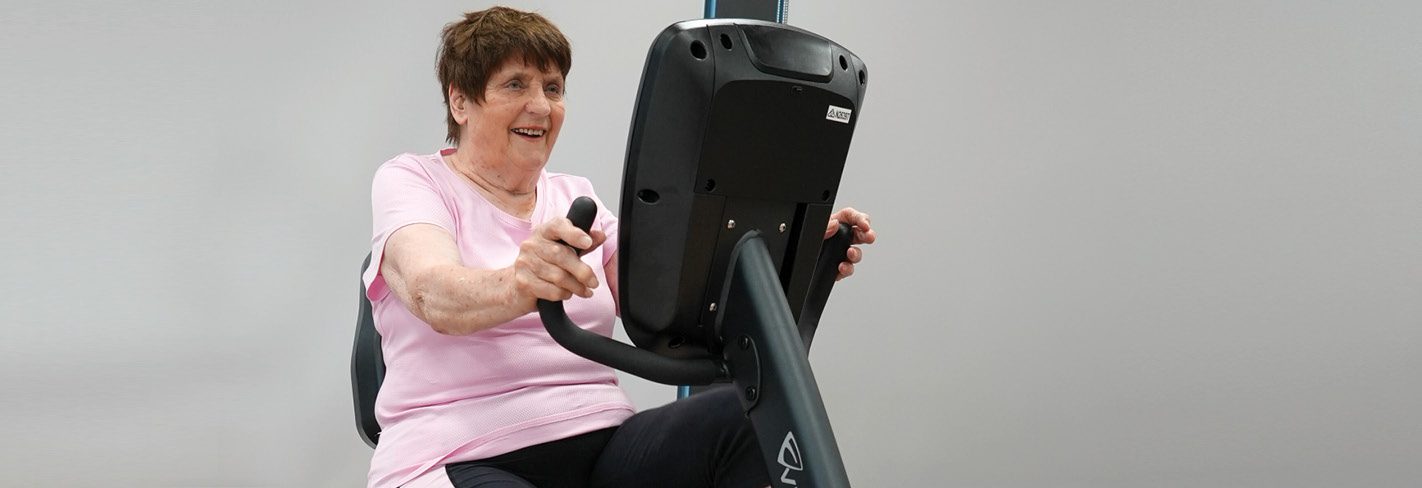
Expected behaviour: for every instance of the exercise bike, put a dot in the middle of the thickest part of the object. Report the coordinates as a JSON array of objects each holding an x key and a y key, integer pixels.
[{"x": 737, "y": 145}]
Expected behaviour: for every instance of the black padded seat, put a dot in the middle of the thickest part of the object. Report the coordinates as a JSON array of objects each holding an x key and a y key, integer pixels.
[{"x": 367, "y": 368}]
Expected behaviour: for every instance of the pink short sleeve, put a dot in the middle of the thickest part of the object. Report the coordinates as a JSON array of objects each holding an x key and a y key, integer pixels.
[
  {"x": 608, "y": 222},
  {"x": 403, "y": 193}
]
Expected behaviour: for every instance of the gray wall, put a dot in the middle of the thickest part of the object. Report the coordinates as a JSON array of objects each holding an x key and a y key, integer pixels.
[{"x": 1123, "y": 243}]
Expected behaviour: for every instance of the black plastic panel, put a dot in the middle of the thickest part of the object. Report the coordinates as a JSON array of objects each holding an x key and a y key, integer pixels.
[{"x": 719, "y": 134}]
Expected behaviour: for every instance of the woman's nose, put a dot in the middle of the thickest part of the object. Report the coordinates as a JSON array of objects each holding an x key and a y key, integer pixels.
[{"x": 539, "y": 104}]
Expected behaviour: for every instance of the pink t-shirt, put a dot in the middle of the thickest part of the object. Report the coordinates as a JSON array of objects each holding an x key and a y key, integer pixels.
[{"x": 448, "y": 398}]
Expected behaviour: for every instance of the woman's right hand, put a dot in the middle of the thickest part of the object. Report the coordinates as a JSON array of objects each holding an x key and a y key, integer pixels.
[{"x": 546, "y": 269}]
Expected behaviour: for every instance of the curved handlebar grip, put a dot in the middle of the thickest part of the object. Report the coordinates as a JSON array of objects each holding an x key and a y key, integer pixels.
[
  {"x": 835, "y": 250},
  {"x": 582, "y": 212},
  {"x": 616, "y": 354}
]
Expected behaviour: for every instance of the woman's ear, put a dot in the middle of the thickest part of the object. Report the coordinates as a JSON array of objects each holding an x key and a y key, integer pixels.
[{"x": 458, "y": 105}]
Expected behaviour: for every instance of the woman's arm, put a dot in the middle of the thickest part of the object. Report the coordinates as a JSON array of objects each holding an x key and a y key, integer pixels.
[{"x": 421, "y": 265}]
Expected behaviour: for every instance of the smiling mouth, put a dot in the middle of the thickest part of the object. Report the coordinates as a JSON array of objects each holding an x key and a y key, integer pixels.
[{"x": 531, "y": 133}]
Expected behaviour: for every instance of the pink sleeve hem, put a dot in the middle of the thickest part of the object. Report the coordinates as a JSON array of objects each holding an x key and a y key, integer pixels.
[{"x": 375, "y": 287}]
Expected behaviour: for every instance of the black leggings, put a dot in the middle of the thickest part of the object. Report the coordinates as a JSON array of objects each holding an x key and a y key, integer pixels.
[{"x": 701, "y": 441}]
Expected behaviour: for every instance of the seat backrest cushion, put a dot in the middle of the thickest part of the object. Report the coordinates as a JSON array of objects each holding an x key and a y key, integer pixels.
[{"x": 367, "y": 368}]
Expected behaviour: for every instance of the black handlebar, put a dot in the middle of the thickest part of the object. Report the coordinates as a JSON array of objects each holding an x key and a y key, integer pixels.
[
  {"x": 833, "y": 252},
  {"x": 581, "y": 212},
  {"x": 605, "y": 350}
]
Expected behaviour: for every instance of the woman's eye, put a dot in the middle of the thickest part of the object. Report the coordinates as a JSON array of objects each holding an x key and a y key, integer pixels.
[
  {"x": 555, "y": 89},
  {"x": 515, "y": 84}
]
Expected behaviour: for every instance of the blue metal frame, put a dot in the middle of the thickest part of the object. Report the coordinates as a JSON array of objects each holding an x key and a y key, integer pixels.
[{"x": 782, "y": 10}]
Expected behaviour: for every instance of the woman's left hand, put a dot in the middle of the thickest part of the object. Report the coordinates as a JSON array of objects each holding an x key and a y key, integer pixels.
[{"x": 863, "y": 234}]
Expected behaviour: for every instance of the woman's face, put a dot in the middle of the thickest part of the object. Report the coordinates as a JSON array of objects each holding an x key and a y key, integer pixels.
[{"x": 519, "y": 119}]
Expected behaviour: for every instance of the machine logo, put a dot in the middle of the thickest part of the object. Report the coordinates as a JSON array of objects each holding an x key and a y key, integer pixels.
[
  {"x": 838, "y": 114},
  {"x": 790, "y": 458}
]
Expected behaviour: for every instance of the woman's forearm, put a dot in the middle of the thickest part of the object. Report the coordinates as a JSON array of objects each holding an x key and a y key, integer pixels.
[{"x": 456, "y": 300}]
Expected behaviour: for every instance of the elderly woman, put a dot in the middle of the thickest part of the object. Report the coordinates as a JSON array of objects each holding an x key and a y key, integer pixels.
[{"x": 465, "y": 241}]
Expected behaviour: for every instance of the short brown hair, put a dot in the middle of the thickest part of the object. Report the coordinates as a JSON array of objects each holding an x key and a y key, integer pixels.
[{"x": 471, "y": 50}]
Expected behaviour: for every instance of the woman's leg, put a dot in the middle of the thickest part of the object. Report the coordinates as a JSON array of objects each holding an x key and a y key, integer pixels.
[
  {"x": 472, "y": 476},
  {"x": 559, "y": 464},
  {"x": 704, "y": 440}
]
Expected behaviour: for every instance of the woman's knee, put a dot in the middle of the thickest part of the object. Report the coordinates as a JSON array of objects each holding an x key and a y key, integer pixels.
[{"x": 721, "y": 410}]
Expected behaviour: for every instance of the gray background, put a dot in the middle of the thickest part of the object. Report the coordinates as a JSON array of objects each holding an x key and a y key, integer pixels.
[{"x": 1123, "y": 243}]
